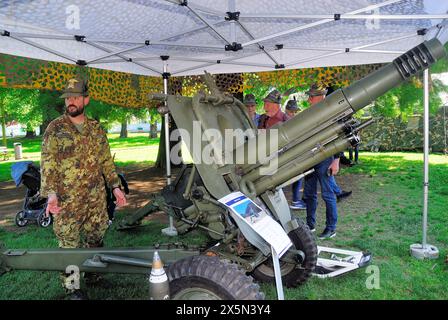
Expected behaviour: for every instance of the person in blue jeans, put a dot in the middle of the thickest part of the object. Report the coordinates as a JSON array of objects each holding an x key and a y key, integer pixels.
[
  {"x": 297, "y": 202},
  {"x": 321, "y": 175},
  {"x": 310, "y": 197},
  {"x": 340, "y": 194}
]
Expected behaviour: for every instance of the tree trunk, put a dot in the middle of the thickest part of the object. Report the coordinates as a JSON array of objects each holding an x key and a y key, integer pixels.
[
  {"x": 161, "y": 155},
  {"x": 153, "y": 130},
  {"x": 2, "y": 114},
  {"x": 43, "y": 127},
  {"x": 30, "y": 133},
  {"x": 59, "y": 108},
  {"x": 124, "y": 129}
]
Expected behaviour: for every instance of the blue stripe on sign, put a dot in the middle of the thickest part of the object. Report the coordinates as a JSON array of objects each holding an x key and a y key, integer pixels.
[{"x": 235, "y": 200}]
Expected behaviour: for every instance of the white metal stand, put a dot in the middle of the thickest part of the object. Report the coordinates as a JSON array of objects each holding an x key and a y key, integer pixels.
[
  {"x": 340, "y": 261},
  {"x": 424, "y": 250},
  {"x": 171, "y": 230},
  {"x": 278, "y": 275}
]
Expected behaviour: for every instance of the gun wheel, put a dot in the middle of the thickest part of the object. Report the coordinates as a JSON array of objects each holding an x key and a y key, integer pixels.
[
  {"x": 208, "y": 278},
  {"x": 292, "y": 274}
]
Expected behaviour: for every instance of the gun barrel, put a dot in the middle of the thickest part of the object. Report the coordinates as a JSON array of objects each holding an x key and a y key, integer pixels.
[
  {"x": 316, "y": 132},
  {"x": 298, "y": 166},
  {"x": 329, "y": 134},
  {"x": 339, "y": 105},
  {"x": 364, "y": 91},
  {"x": 365, "y": 124}
]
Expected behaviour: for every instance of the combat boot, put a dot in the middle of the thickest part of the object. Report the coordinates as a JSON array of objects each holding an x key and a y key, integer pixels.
[
  {"x": 77, "y": 294},
  {"x": 92, "y": 279}
]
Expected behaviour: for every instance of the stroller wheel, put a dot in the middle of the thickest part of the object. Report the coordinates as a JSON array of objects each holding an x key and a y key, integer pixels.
[
  {"x": 20, "y": 219},
  {"x": 44, "y": 221}
]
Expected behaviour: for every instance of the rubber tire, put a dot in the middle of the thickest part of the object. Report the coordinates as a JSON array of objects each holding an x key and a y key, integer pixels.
[
  {"x": 41, "y": 220},
  {"x": 20, "y": 222},
  {"x": 303, "y": 239},
  {"x": 225, "y": 280}
]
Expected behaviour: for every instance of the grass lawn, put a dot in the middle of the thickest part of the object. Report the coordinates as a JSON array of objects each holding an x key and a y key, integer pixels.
[
  {"x": 136, "y": 151},
  {"x": 383, "y": 216}
]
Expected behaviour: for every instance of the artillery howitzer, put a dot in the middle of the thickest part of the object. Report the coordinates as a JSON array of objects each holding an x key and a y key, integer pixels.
[{"x": 261, "y": 164}]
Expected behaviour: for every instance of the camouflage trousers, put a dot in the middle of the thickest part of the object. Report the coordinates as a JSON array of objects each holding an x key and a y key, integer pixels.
[{"x": 74, "y": 230}]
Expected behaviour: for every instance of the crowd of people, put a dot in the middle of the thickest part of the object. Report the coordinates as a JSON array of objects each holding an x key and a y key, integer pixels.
[{"x": 304, "y": 191}]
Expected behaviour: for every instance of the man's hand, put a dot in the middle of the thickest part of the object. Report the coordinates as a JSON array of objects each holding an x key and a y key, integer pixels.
[
  {"x": 121, "y": 198},
  {"x": 52, "y": 205},
  {"x": 334, "y": 167}
]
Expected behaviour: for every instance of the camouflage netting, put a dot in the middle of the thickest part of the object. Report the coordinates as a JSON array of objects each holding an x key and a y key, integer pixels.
[
  {"x": 131, "y": 91},
  {"x": 123, "y": 89},
  {"x": 396, "y": 135},
  {"x": 303, "y": 78}
]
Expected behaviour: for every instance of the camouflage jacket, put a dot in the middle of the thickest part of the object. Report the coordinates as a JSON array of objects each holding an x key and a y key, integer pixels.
[{"x": 73, "y": 163}]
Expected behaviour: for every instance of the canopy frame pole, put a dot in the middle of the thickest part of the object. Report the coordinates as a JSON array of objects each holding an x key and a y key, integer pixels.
[
  {"x": 232, "y": 8},
  {"x": 200, "y": 17},
  {"x": 347, "y": 16},
  {"x": 261, "y": 47},
  {"x": 208, "y": 61},
  {"x": 355, "y": 48},
  {"x": 131, "y": 60},
  {"x": 185, "y": 45},
  {"x": 39, "y": 46},
  {"x": 441, "y": 26},
  {"x": 425, "y": 250},
  {"x": 198, "y": 7},
  {"x": 116, "y": 53},
  {"x": 314, "y": 58},
  {"x": 317, "y": 23},
  {"x": 225, "y": 61},
  {"x": 340, "y": 49},
  {"x": 155, "y": 43},
  {"x": 192, "y": 30},
  {"x": 42, "y": 36},
  {"x": 171, "y": 230}
]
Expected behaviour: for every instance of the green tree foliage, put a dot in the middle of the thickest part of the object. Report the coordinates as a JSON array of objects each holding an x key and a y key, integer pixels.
[
  {"x": 21, "y": 105},
  {"x": 441, "y": 65},
  {"x": 407, "y": 99},
  {"x": 402, "y": 101},
  {"x": 34, "y": 108},
  {"x": 109, "y": 114}
]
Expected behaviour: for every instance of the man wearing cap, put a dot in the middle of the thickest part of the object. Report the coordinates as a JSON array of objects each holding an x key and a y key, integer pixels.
[
  {"x": 292, "y": 108},
  {"x": 297, "y": 203},
  {"x": 249, "y": 101},
  {"x": 322, "y": 173},
  {"x": 273, "y": 113},
  {"x": 75, "y": 158}
]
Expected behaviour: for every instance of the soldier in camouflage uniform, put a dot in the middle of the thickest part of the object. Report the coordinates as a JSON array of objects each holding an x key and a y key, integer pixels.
[{"x": 75, "y": 158}]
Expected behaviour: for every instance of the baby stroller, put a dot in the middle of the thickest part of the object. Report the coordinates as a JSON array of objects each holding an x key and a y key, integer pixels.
[{"x": 34, "y": 205}]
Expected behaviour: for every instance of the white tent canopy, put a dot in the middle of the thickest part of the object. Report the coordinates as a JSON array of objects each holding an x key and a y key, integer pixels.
[{"x": 221, "y": 36}]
